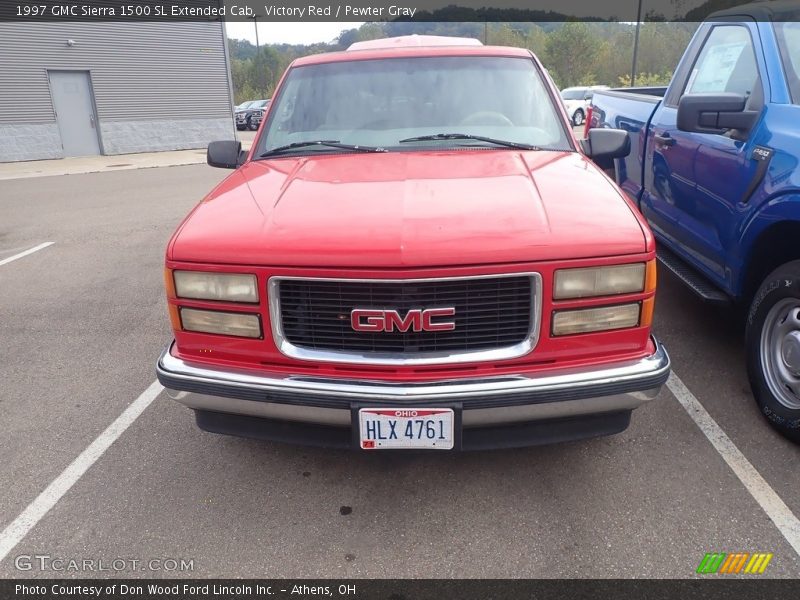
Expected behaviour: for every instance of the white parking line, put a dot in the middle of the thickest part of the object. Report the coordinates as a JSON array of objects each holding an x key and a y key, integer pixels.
[
  {"x": 5, "y": 261},
  {"x": 784, "y": 519},
  {"x": 19, "y": 528}
]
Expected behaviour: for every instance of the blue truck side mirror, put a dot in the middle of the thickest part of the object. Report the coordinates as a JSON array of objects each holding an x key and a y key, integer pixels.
[{"x": 714, "y": 113}]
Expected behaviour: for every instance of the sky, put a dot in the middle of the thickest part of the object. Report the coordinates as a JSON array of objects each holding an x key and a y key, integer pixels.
[{"x": 288, "y": 33}]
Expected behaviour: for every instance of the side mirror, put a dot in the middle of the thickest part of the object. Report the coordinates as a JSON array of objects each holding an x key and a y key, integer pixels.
[
  {"x": 714, "y": 113},
  {"x": 227, "y": 154},
  {"x": 604, "y": 145}
]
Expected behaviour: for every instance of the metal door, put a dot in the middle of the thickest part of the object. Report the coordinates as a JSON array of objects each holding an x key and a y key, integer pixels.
[
  {"x": 74, "y": 107},
  {"x": 695, "y": 187}
]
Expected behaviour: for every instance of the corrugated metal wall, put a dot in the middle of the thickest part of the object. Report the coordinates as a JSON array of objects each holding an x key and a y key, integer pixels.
[{"x": 138, "y": 70}]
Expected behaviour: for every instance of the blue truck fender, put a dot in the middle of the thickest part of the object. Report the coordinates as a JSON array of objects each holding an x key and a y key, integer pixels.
[{"x": 769, "y": 237}]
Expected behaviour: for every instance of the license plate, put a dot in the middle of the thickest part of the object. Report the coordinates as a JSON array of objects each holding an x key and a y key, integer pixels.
[{"x": 406, "y": 428}]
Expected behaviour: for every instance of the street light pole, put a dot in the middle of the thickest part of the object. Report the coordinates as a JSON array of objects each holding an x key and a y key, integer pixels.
[
  {"x": 636, "y": 44},
  {"x": 258, "y": 49},
  {"x": 255, "y": 26}
]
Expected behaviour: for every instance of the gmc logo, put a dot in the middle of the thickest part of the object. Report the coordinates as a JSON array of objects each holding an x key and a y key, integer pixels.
[{"x": 416, "y": 319}]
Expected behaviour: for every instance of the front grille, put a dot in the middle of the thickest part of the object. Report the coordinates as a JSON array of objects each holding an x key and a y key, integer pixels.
[{"x": 490, "y": 313}]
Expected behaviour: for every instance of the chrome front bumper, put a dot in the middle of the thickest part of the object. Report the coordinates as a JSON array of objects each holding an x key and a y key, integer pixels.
[{"x": 485, "y": 401}]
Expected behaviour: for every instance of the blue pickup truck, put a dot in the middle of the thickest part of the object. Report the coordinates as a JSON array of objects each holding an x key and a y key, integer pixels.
[{"x": 714, "y": 169}]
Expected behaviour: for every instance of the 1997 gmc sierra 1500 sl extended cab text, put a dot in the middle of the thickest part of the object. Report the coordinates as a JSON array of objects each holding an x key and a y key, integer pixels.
[
  {"x": 415, "y": 253},
  {"x": 714, "y": 168}
]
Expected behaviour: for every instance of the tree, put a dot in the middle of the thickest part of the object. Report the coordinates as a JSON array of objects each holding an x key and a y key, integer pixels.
[
  {"x": 241, "y": 49},
  {"x": 501, "y": 34},
  {"x": 367, "y": 31},
  {"x": 646, "y": 79},
  {"x": 264, "y": 70},
  {"x": 572, "y": 52},
  {"x": 575, "y": 53},
  {"x": 536, "y": 42},
  {"x": 242, "y": 90}
]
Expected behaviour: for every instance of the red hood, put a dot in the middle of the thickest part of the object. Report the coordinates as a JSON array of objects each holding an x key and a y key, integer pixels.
[{"x": 411, "y": 209}]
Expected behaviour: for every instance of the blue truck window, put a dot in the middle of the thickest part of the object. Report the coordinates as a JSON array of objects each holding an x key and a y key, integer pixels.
[
  {"x": 726, "y": 63},
  {"x": 789, "y": 43}
]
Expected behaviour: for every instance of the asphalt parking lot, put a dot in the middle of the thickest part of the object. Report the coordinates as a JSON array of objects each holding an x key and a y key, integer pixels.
[{"x": 84, "y": 319}]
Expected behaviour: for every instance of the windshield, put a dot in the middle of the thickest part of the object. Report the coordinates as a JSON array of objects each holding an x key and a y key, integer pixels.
[
  {"x": 573, "y": 94},
  {"x": 380, "y": 102}
]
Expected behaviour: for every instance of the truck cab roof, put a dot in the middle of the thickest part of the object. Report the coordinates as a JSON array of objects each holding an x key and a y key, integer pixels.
[
  {"x": 777, "y": 10},
  {"x": 410, "y": 46},
  {"x": 406, "y": 41}
]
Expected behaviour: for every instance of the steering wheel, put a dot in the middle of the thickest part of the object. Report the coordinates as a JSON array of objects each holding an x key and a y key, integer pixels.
[{"x": 486, "y": 117}]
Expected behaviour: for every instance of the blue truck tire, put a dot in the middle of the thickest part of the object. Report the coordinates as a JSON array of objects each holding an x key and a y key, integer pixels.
[{"x": 772, "y": 341}]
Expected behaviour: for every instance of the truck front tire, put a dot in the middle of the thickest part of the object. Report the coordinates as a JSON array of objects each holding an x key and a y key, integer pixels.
[
  {"x": 577, "y": 117},
  {"x": 773, "y": 349}
]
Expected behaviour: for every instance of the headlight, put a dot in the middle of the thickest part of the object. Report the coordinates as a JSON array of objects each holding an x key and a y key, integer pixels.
[
  {"x": 223, "y": 323},
  {"x": 604, "y": 318},
  {"x": 599, "y": 281},
  {"x": 227, "y": 287}
]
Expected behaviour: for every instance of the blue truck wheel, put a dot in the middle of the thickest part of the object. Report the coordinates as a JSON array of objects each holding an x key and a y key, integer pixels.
[{"x": 773, "y": 349}]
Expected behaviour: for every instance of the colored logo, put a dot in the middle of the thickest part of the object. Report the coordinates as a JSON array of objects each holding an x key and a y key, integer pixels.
[
  {"x": 734, "y": 563},
  {"x": 416, "y": 319}
]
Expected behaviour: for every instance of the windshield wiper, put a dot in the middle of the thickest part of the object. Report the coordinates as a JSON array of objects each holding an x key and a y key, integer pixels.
[
  {"x": 326, "y": 143},
  {"x": 467, "y": 136}
]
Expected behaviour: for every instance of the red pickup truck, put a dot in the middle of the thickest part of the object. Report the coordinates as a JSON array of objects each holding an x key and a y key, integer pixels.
[{"x": 415, "y": 253}]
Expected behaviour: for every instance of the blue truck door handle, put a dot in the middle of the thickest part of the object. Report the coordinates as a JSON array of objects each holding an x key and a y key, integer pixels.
[{"x": 665, "y": 140}]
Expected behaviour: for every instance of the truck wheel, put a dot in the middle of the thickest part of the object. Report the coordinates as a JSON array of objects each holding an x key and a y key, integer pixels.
[
  {"x": 577, "y": 118},
  {"x": 251, "y": 126},
  {"x": 773, "y": 349}
]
